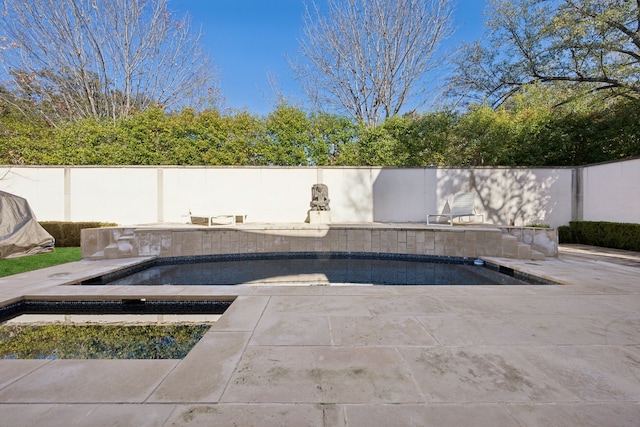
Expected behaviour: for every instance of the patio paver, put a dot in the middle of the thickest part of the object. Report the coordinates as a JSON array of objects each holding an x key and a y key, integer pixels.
[{"x": 561, "y": 355}]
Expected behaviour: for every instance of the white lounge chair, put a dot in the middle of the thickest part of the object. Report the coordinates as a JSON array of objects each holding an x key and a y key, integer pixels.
[
  {"x": 209, "y": 220},
  {"x": 461, "y": 205}
]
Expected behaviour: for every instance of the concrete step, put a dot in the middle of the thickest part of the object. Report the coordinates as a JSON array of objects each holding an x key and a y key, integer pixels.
[
  {"x": 111, "y": 251},
  {"x": 512, "y": 248},
  {"x": 524, "y": 251},
  {"x": 537, "y": 255},
  {"x": 509, "y": 246}
]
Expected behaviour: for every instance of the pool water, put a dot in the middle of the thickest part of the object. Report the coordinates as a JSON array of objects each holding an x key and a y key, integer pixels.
[{"x": 315, "y": 270}]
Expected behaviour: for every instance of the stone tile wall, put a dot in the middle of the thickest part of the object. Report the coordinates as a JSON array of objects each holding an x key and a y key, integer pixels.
[{"x": 459, "y": 241}]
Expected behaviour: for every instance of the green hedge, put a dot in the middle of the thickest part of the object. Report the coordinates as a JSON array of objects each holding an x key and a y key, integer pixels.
[
  {"x": 529, "y": 133},
  {"x": 67, "y": 234},
  {"x": 564, "y": 234},
  {"x": 600, "y": 233}
]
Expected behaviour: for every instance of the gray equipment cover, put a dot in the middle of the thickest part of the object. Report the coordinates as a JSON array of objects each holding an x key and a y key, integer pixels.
[{"x": 20, "y": 233}]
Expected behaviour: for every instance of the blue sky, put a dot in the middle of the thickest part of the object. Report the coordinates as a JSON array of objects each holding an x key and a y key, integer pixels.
[{"x": 249, "y": 42}]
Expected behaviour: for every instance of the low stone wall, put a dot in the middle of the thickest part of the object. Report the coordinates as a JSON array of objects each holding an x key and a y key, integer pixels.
[
  {"x": 458, "y": 241},
  {"x": 543, "y": 240}
]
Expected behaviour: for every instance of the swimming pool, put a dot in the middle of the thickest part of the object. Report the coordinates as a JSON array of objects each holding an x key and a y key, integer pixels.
[{"x": 315, "y": 269}]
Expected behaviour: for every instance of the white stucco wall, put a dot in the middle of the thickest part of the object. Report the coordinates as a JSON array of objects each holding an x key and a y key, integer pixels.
[
  {"x": 403, "y": 195},
  {"x": 44, "y": 188},
  {"x": 350, "y": 192},
  {"x": 141, "y": 195},
  {"x": 525, "y": 196},
  {"x": 121, "y": 195},
  {"x": 612, "y": 192},
  {"x": 265, "y": 194}
]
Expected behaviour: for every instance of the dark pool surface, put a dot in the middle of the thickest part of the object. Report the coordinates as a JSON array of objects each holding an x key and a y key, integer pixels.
[
  {"x": 320, "y": 271},
  {"x": 127, "y": 306}
]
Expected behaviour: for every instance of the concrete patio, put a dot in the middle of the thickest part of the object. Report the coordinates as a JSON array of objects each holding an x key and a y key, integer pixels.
[{"x": 561, "y": 355}]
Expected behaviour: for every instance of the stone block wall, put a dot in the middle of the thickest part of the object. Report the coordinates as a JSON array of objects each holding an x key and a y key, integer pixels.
[{"x": 458, "y": 241}]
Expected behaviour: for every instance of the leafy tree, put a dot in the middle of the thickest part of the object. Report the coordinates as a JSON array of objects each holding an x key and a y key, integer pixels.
[
  {"x": 145, "y": 138},
  {"x": 101, "y": 59},
  {"x": 213, "y": 138},
  {"x": 331, "y": 139},
  {"x": 595, "y": 135},
  {"x": 528, "y": 130},
  {"x": 588, "y": 45},
  {"x": 288, "y": 134},
  {"x": 426, "y": 139},
  {"x": 370, "y": 58},
  {"x": 481, "y": 134},
  {"x": 378, "y": 145},
  {"x": 20, "y": 134},
  {"x": 244, "y": 139}
]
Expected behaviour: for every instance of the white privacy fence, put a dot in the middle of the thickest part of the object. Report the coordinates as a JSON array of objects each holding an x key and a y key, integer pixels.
[
  {"x": 612, "y": 192},
  {"x": 165, "y": 194}
]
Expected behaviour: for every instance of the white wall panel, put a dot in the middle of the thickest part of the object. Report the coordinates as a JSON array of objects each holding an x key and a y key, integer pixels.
[
  {"x": 145, "y": 194},
  {"x": 43, "y": 187},
  {"x": 612, "y": 192}
]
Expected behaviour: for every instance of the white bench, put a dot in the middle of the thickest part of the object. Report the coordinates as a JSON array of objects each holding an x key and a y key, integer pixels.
[{"x": 209, "y": 220}]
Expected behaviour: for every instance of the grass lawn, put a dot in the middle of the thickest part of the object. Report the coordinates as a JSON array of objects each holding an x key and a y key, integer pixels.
[{"x": 34, "y": 262}]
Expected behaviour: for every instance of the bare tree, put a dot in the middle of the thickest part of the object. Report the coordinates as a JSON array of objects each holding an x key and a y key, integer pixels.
[
  {"x": 370, "y": 57},
  {"x": 73, "y": 59}
]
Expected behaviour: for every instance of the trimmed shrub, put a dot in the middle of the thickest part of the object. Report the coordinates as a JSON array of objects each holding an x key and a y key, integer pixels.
[
  {"x": 67, "y": 234},
  {"x": 564, "y": 234},
  {"x": 606, "y": 234}
]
